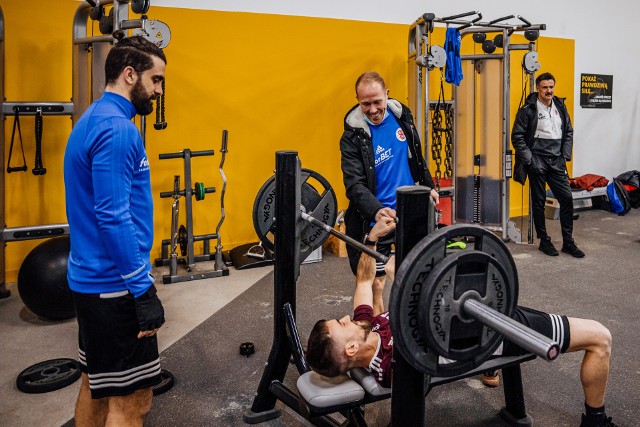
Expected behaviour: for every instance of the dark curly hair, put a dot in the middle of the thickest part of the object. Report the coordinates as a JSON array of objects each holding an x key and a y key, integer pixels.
[{"x": 136, "y": 52}]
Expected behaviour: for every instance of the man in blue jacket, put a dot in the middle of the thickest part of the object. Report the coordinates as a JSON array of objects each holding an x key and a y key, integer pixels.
[
  {"x": 110, "y": 214},
  {"x": 543, "y": 139},
  {"x": 380, "y": 151}
]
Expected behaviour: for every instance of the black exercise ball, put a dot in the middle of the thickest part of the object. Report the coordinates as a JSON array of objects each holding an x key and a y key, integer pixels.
[{"x": 42, "y": 280}]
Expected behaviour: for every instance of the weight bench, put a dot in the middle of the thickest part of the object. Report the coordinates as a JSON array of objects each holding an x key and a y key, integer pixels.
[{"x": 348, "y": 393}]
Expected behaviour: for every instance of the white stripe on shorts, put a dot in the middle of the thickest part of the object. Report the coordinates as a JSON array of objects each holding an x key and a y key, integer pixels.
[
  {"x": 124, "y": 378},
  {"x": 557, "y": 328}
]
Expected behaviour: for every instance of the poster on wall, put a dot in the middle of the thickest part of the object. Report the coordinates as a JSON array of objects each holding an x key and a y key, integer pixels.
[{"x": 596, "y": 91}]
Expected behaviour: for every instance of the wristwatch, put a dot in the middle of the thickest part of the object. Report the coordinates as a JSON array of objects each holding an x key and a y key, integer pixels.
[{"x": 368, "y": 242}]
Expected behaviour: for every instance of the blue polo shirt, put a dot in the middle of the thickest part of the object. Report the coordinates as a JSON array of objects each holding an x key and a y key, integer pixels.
[{"x": 108, "y": 200}]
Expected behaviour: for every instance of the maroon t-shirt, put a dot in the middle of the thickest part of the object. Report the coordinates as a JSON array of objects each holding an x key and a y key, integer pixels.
[{"x": 380, "y": 365}]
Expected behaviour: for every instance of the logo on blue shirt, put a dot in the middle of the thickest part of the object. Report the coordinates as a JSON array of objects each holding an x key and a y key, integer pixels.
[{"x": 144, "y": 165}]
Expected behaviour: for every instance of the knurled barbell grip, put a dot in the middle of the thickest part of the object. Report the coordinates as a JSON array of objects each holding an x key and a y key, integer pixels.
[
  {"x": 348, "y": 240},
  {"x": 515, "y": 332}
]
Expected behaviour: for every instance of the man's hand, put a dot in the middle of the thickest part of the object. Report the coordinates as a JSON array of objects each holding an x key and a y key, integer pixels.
[
  {"x": 385, "y": 212},
  {"x": 382, "y": 227},
  {"x": 150, "y": 312},
  {"x": 435, "y": 196},
  {"x": 390, "y": 268}
]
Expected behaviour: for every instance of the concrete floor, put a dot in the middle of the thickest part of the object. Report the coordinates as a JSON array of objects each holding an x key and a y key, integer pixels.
[
  {"x": 217, "y": 386},
  {"x": 25, "y": 340}
]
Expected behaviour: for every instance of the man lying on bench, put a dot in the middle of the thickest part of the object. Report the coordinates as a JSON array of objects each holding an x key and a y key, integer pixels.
[{"x": 336, "y": 346}]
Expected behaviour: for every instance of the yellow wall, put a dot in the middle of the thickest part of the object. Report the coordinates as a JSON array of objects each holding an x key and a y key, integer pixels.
[{"x": 274, "y": 82}]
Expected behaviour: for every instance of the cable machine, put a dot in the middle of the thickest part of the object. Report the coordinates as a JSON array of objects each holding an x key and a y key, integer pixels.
[
  {"x": 89, "y": 54},
  {"x": 475, "y": 121}
]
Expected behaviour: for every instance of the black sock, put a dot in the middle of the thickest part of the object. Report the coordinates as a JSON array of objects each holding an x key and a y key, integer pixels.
[{"x": 594, "y": 413}]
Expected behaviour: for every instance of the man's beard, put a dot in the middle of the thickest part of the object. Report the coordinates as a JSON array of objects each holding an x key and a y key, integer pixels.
[
  {"x": 366, "y": 327},
  {"x": 140, "y": 100}
]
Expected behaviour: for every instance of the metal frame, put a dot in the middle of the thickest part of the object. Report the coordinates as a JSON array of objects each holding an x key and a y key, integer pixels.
[{"x": 420, "y": 102}]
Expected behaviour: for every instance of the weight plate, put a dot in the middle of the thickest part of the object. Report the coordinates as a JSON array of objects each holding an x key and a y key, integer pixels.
[
  {"x": 163, "y": 386},
  {"x": 105, "y": 24},
  {"x": 48, "y": 376},
  {"x": 182, "y": 240},
  {"x": 448, "y": 331},
  {"x": 96, "y": 12},
  {"x": 404, "y": 303},
  {"x": 199, "y": 191},
  {"x": 156, "y": 32},
  {"x": 320, "y": 205},
  {"x": 139, "y": 6}
]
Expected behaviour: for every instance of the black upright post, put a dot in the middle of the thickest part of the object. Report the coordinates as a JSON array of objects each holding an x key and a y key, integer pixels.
[
  {"x": 414, "y": 217},
  {"x": 286, "y": 272},
  {"x": 515, "y": 411}
]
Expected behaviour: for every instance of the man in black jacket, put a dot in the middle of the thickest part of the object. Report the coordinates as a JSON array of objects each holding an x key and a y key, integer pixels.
[
  {"x": 380, "y": 151},
  {"x": 543, "y": 139}
]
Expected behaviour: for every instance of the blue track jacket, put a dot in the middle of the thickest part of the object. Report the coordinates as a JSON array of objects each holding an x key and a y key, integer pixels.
[{"x": 109, "y": 202}]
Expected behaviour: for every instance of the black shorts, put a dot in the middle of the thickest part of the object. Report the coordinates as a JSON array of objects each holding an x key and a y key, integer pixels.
[
  {"x": 550, "y": 325},
  {"x": 116, "y": 361}
]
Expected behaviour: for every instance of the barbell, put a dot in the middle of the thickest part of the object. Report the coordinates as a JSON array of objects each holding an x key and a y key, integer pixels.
[
  {"x": 449, "y": 308},
  {"x": 318, "y": 213}
]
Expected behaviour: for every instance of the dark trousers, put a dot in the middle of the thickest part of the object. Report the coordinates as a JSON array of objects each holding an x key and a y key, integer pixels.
[{"x": 552, "y": 171}]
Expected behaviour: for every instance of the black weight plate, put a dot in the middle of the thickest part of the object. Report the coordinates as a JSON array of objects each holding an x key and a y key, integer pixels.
[
  {"x": 446, "y": 328},
  {"x": 264, "y": 216},
  {"x": 139, "y": 6},
  {"x": 404, "y": 303},
  {"x": 48, "y": 376},
  {"x": 182, "y": 239},
  {"x": 322, "y": 206},
  {"x": 105, "y": 24},
  {"x": 167, "y": 382}
]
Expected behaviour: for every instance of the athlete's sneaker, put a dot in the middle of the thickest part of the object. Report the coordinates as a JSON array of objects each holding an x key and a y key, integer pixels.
[
  {"x": 547, "y": 247},
  {"x": 572, "y": 249},
  {"x": 490, "y": 379},
  {"x": 605, "y": 422}
]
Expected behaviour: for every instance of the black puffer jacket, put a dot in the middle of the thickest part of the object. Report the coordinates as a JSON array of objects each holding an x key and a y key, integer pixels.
[
  {"x": 524, "y": 129},
  {"x": 358, "y": 168}
]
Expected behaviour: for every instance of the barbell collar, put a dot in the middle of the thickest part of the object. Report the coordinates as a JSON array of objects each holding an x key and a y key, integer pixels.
[
  {"x": 348, "y": 240},
  {"x": 513, "y": 331}
]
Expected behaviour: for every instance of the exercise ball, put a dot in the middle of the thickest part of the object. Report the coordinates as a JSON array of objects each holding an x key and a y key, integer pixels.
[{"x": 42, "y": 280}]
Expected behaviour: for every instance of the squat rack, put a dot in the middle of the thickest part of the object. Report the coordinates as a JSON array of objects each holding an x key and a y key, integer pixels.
[{"x": 422, "y": 59}]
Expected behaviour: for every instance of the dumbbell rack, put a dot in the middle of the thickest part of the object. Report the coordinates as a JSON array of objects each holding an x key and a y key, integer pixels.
[{"x": 170, "y": 258}]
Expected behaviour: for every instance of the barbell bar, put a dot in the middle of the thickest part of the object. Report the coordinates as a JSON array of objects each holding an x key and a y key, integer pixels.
[
  {"x": 519, "y": 334},
  {"x": 348, "y": 240}
]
